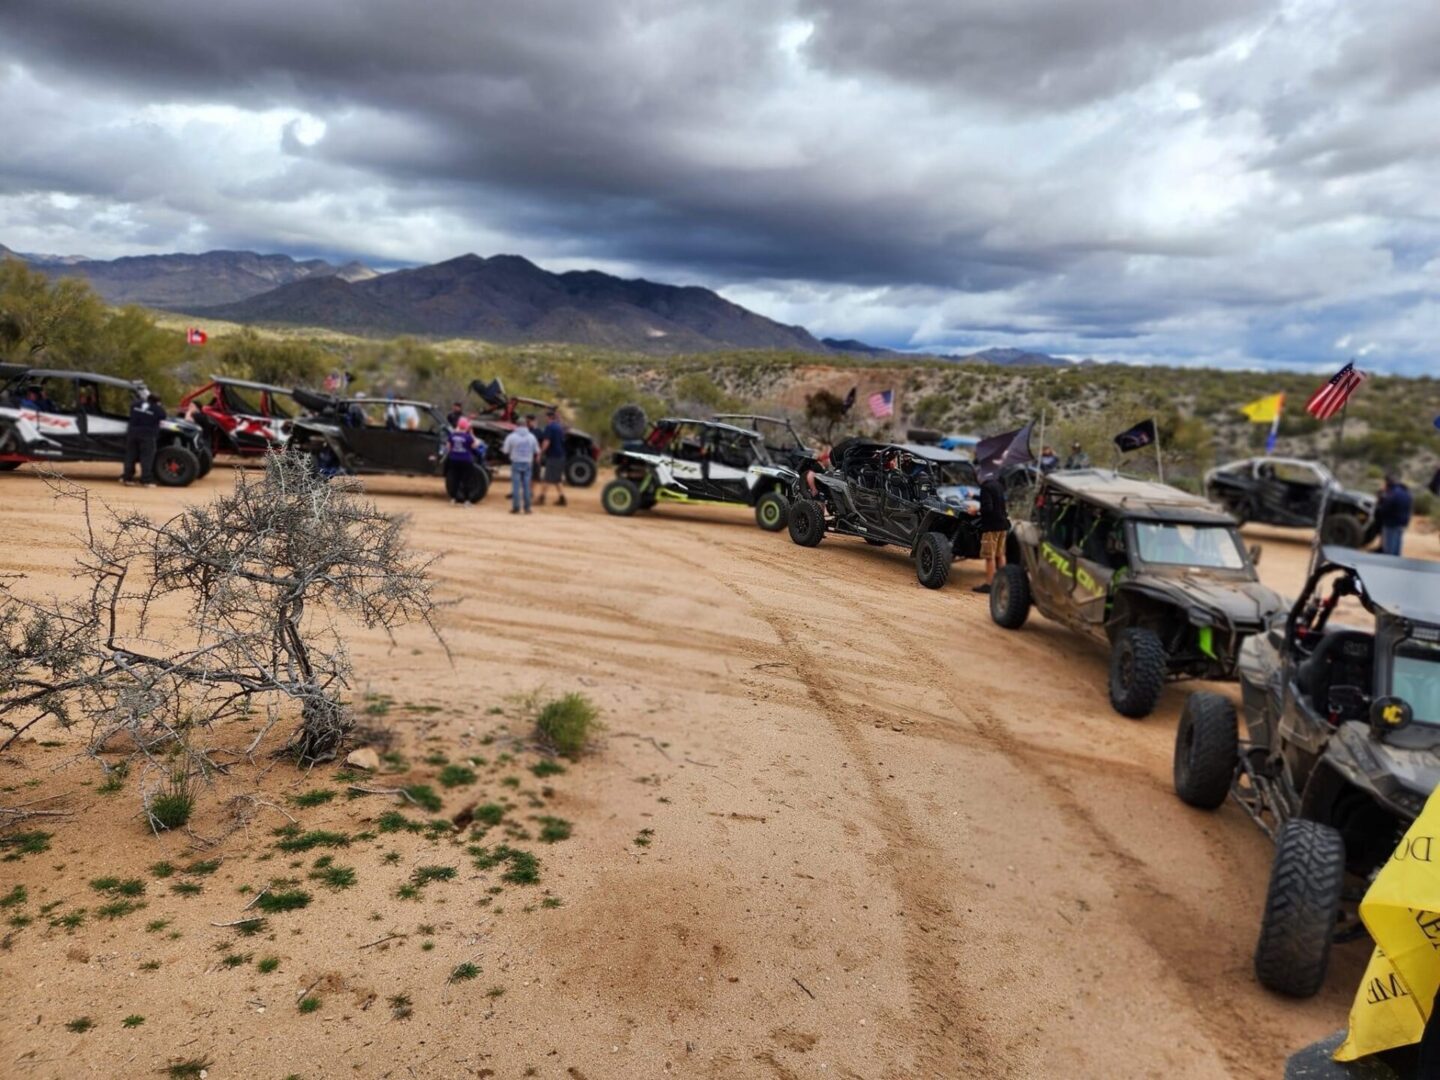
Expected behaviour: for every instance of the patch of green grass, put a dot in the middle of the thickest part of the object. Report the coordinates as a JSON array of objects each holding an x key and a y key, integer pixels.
[
  {"x": 234, "y": 960},
  {"x": 117, "y": 909},
  {"x": 423, "y": 875},
  {"x": 407, "y": 892},
  {"x": 466, "y": 970},
  {"x": 390, "y": 857},
  {"x": 251, "y": 927},
  {"x": 186, "y": 888},
  {"x": 70, "y": 920},
  {"x": 80, "y": 1025},
  {"x": 115, "y": 779},
  {"x": 523, "y": 868},
  {"x": 172, "y": 807},
  {"x": 453, "y": 776},
  {"x": 19, "y": 844},
  {"x": 511, "y": 781},
  {"x": 425, "y": 797},
  {"x": 150, "y": 965},
  {"x": 134, "y": 1020},
  {"x": 189, "y": 1069},
  {"x": 19, "y": 921},
  {"x": 334, "y": 878},
  {"x": 154, "y": 926},
  {"x": 128, "y": 887},
  {"x": 266, "y": 964},
  {"x": 437, "y": 759},
  {"x": 209, "y": 866},
  {"x": 347, "y": 776},
  {"x": 643, "y": 837},
  {"x": 395, "y": 821},
  {"x": 495, "y": 992},
  {"x": 15, "y": 897},
  {"x": 568, "y": 724},
  {"x": 553, "y": 829},
  {"x": 317, "y": 797},
  {"x": 400, "y": 1006},
  {"x": 313, "y": 839},
  {"x": 274, "y": 902},
  {"x": 551, "y": 902},
  {"x": 490, "y": 814},
  {"x": 161, "y": 869},
  {"x": 309, "y": 1004},
  {"x": 396, "y": 761},
  {"x": 547, "y": 767},
  {"x": 426, "y": 946}
]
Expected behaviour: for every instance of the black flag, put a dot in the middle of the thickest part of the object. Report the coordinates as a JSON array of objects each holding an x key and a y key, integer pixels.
[
  {"x": 850, "y": 398},
  {"x": 1142, "y": 434},
  {"x": 999, "y": 452}
]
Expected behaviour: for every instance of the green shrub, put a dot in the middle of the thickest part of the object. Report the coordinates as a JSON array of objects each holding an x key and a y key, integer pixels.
[
  {"x": 567, "y": 724},
  {"x": 171, "y": 807},
  {"x": 456, "y": 776},
  {"x": 425, "y": 797},
  {"x": 274, "y": 902}
]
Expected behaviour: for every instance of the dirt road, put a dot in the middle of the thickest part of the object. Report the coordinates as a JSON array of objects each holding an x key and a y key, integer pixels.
[{"x": 886, "y": 840}]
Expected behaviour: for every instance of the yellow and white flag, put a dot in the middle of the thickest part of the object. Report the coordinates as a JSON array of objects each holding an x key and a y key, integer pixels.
[
  {"x": 1265, "y": 410},
  {"x": 1402, "y": 912}
]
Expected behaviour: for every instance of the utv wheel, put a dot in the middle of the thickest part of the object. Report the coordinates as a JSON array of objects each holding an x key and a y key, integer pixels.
[
  {"x": 628, "y": 422},
  {"x": 807, "y": 523},
  {"x": 175, "y": 466},
  {"x": 1301, "y": 907},
  {"x": 772, "y": 511},
  {"x": 207, "y": 462},
  {"x": 1137, "y": 672},
  {"x": 580, "y": 470},
  {"x": 1342, "y": 530},
  {"x": 932, "y": 560},
  {"x": 469, "y": 487},
  {"x": 620, "y": 497},
  {"x": 1010, "y": 597},
  {"x": 1206, "y": 750},
  {"x": 7, "y": 466}
]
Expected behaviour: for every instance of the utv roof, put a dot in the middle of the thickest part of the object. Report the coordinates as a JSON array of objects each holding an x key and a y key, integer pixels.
[
  {"x": 1306, "y": 462},
  {"x": 1406, "y": 588},
  {"x": 927, "y": 453},
  {"x": 246, "y": 384},
  {"x": 676, "y": 420},
  {"x": 1138, "y": 498},
  {"x": 11, "y": 371},
  {"x": 750, "y": 416}
]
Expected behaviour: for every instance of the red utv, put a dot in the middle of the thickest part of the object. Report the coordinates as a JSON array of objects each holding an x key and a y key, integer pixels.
[
  {"x": 246, "y": 419},
  {"x": 500, "y": 416}
]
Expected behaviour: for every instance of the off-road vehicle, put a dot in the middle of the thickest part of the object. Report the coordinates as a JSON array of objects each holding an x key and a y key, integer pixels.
[
  {"x": 365, "y": 435},
  {"x": 782, "y": 441},
  {"x": 242, "y": 418},
  {"x": 890, "y": 494},
  {"x": 85, "y": 417},
  {"x": 582, "y": 453},
  {"x": 1288, "y": 491},
  {"x": 1161, "y": 576},
  {"x": 700, "y": 461},
  {"x": 1341, "y": 746}
]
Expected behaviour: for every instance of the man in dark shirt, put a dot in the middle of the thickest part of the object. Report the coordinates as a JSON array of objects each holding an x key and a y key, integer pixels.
[
  {"x": 552, "y": 446},
  {"x": 457, "y": 410},
  {"x": 1393, "y": 514},
  {"x": 140, "y": 438},
  {"x": 994, "y": 527}
]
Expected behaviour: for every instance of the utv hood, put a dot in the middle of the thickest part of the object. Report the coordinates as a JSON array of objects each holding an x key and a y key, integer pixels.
[{"x": 1246, "y": 605}]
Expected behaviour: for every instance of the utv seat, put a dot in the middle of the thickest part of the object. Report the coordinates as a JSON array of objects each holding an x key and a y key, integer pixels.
[{"x": 1343, "y": 658}]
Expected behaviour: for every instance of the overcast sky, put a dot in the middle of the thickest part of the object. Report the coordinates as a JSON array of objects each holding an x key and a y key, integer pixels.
[{"x": 1229, "y": 182}]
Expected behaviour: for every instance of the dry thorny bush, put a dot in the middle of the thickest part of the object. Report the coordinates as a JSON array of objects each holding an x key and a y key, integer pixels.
[{"x": 229, "y": 610}]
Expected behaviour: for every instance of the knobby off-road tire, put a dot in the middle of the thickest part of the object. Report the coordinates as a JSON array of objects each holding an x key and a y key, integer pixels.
[
  {"x": 207, "y": 462},
  {"x": 772, "y": 512},
  {"x": 175, "y": 466},
  {"x": 580, "y": 470},
  {"x": 1342, "y": 530},
  {"x": 932, "y": 560},
  {"x": 628, "y": 422},
  {"x": 1137, "y": 672},
  {"x": 807, "y": 523},
  {"x": 469, "y": 487},
  {"x": 1207, "y": 747},
  {"x": 620, "y": 497},
  {"x": 1010, "y": 597},
  {"x": 1301, "y": 907}
]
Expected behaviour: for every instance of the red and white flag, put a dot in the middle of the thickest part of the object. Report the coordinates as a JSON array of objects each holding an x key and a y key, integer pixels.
[
  {"x": 882, "y": 404},
  {"x": 1331, "y": 398},
  {"x": 195, "y": 336}
]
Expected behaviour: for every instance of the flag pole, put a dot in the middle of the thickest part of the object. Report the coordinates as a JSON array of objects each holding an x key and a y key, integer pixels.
[{"x": 1339, "y": 437}]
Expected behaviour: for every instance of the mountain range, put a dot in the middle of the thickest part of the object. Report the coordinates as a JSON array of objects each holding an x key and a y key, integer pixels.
[{"x": 504, "y": 299}]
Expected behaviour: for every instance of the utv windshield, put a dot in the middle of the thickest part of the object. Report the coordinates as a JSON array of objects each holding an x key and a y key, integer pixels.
[
  {"x": 1416, "y": 678},
  {"x": 1213, "y": 547}
]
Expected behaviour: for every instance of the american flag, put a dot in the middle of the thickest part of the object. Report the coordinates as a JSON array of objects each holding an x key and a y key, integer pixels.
[
  {"x": 195, "y": 336},
  {"x": 882, "y": 404},
  {"x": 1331, "y": 398}
]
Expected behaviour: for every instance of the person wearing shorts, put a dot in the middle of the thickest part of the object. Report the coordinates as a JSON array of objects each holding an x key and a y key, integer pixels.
[
  {"x": 552, "y": 446},
  {"x": 994, "y": 528}
]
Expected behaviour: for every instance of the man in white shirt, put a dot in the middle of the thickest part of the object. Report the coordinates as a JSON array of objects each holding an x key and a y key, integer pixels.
[{"x": 522, "y": 448}]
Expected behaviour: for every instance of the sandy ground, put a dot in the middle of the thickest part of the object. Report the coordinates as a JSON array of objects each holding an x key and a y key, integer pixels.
[{"x": 886, "y": 839}]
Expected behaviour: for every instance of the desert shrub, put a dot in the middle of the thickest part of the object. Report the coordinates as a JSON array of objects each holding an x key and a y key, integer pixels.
[
  {"x": 567, "y": 724},
  {"x": 171, "y": 807}
]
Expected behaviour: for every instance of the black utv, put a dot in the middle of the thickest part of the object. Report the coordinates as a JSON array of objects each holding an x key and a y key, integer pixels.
[
  {"x": 504, "y": 412},
  {"x": 886, "y": 493},
  {"x": 782, "y": 441},
  {"x": 1159, "y": 575},
  {"x": 1288, "y": 491},
  {"x": 1340, "y": 751}
]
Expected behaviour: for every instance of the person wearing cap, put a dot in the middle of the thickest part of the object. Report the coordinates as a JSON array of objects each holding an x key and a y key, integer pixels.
[
  {"x": 1049, "y": 460},
  {"x": 457, "y": 410},
  {"x": 522, "y": 448},
  {"x": 141, "y": 435},
  {"x": 1078, "y": 458},
  {"x": 552, "y": 448}
]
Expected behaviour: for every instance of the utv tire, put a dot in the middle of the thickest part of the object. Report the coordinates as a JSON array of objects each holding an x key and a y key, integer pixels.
[
  {"x": 1010, "y": 597},
  {"x": 807, "y": 523},
  {"x": 580, "y": 470},
  {"x": 207, "y": 462},
  {"x": 628, "y": 422},
  {"x": 620, "y": 497},
  {"x": 1301, "y": 907},
  {"x": 7, "y": 466},
  {"x": 175, "y": 466},
  {"x": 933, "y": 556},
  {"x": 772, "y": 512},
  {"x": 470, "y": 487},
  {"x": 1137, "y": 672},
  {"x": 1342, "y": 530},
  {"x": 925, "y": 436},
  {"x": 1207, "y": 748}
]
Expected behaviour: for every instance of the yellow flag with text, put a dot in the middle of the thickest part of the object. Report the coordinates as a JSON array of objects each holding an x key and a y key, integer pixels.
[
  {"x": 1265, "y": 410},
  {"x": 1402, "y": 912}
]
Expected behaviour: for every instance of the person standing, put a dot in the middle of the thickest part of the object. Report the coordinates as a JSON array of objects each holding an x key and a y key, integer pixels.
[
  {"x": 994, "y": 528},
  {"x": 1393, "y": 514},
  {"x": 463, "y": 451},
  {"x": 522, "y": 448},
  {"x": 552, "y": 446},
  {"x": 1078, "y": 458},
  {"x": 457, "y": 410},
  {"x": 1049, "y": 460},
  {"x": 141, "y": 435}
]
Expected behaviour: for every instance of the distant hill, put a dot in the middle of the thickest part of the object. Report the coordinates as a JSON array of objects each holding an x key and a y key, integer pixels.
[
  {"x": 180, "y": 281},
  {"x": 507, "y": 299},
  {"x": 858, "y": 348},
  {"x": 1012, "y": 358}
]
